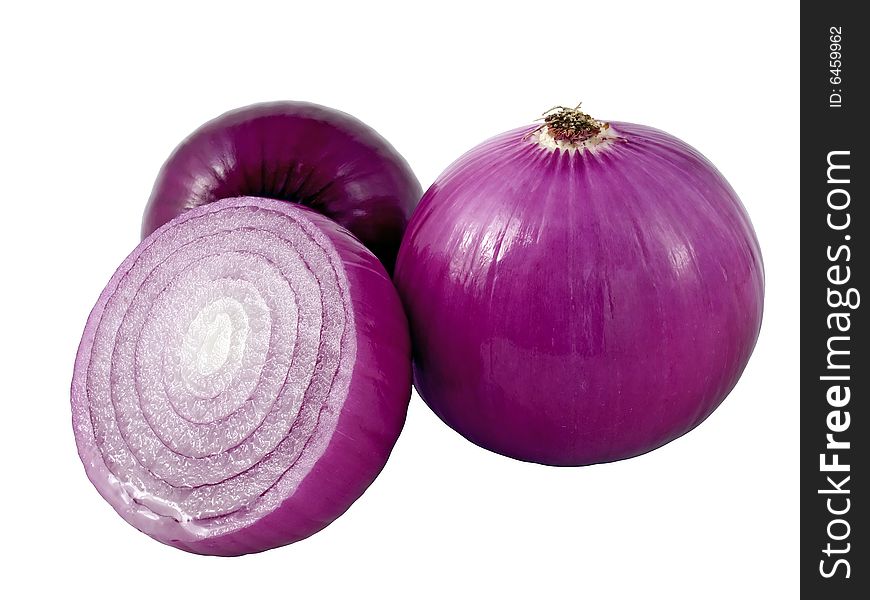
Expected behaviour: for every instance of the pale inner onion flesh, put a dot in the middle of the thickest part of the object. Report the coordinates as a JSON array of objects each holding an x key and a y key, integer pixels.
[{"x": 211, "y": 334}]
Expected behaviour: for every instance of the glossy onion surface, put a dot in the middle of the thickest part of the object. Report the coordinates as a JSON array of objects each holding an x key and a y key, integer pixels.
[
  {"x": 582, "y": 306},
  {"x": 304, "y": 153},
  {"x": 242, "y": 378}
]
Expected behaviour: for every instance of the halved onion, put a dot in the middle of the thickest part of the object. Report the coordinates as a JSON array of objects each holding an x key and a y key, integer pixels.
[{"x": 242, "y": 378}]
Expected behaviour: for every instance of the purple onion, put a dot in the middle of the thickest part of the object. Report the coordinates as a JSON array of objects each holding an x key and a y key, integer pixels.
[
  {"x": 242, "y": 378},
  {"x": 579, "y": 293},
  {"x": 304, "y": 153}
]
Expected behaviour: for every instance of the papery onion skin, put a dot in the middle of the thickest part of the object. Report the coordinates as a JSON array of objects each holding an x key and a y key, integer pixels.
[
  {"x": 365, "y": 409},
  {"x": 297, "y": 151},
  {"x": 584, "y": 306}
]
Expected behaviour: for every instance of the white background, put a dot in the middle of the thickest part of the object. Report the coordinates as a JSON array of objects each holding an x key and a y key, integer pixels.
[{"x": 94, "y": 100}]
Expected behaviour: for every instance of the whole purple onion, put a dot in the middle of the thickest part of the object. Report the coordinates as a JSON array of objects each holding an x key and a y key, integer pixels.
[
  {"x": 295, "y": 151},
  {"x": 579, "y": 292},
  {"x": 242, "y": 378}
]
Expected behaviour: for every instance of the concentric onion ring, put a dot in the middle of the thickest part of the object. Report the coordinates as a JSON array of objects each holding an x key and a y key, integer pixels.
[{"x": 242, "y": 378}]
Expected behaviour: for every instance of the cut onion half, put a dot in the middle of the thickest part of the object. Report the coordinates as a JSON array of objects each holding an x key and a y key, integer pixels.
[{"x": 242, "y": 378}]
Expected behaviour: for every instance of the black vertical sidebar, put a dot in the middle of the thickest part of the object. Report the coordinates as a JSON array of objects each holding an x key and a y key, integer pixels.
[{"x": 834, "y": 370}]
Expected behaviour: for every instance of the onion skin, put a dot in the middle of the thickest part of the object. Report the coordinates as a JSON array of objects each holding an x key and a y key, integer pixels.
[
  {"x": 304, "y": 153},
  {"x": 356, "y": 423},
  {"x": 579, "y": 307}
]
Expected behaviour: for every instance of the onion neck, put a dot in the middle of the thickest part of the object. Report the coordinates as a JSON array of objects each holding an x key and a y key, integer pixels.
[{"x": 571, "y": 129}]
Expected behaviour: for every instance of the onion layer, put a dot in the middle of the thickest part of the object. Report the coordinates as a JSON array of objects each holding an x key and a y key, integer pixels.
[
  {"x": 579, "y": 293},
  {"x": 304, "y": 153},
  {"x": 242, "y": 378}
]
